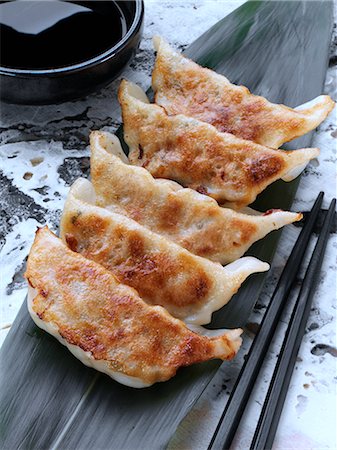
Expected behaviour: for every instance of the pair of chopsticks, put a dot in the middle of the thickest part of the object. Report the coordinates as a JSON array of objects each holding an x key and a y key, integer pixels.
[{"x": 272, "y": 407}]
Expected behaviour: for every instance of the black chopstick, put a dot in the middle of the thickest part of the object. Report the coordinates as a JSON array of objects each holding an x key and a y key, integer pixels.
[
  {"x": 231, "y": 416},
  {"x": 273, "y": 404}
]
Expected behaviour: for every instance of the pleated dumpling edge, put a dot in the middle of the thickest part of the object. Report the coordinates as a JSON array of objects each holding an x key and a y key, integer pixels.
[
  {"x": 183, "y": 87},
  {"x": 195, "y": 154},
  {"x": 187, "y": 217}
]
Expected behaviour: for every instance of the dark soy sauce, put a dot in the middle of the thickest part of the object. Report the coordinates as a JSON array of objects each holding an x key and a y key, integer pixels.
[{"x": 52, "y": 34}]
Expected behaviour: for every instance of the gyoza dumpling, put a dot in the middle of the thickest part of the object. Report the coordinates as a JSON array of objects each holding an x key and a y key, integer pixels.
[
  {"x": 106, "y": 325},
  {"x": 184, "y": 87},
  {"x": 193, "y": 153},
  {"x": 185, "y": 216},
  {"x": 163, "y": 273}
]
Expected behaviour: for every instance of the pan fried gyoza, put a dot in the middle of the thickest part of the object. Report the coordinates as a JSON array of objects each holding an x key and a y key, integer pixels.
[
  {"x": 231, "y": 170},
  {"x": 163, "y": 273},
  {"x": 190, "y": 219},
  {"x": 184, "y": 87},
  {"x": 106, "y": 325}
]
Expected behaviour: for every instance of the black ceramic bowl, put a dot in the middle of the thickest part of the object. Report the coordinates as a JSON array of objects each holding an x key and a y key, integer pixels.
[{"x": 74, "y": 80}]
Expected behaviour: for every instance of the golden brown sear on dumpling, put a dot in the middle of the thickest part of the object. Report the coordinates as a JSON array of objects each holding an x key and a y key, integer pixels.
[
  {"x": 183, "y": 87},
  {"x": 191, "y": 288},
  {"x": 195, "y": 154},
  {"x": 192, "y": 220},
  {"x": 106, "y": 324}
]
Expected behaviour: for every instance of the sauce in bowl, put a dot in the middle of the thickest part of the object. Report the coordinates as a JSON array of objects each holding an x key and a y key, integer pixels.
[
  {"x": 53, "y": 51},
  {"x": 50, "y": 34}
]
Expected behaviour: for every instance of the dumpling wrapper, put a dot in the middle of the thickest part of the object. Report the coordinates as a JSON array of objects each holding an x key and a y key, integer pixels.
[
  {"x": 188, "y": 286},
  {"x": 106, "y": 325},
  {"x": 192, "y": 220},
  {"x": 183, "y": 87},
  {"x": 231, "y": 170}
]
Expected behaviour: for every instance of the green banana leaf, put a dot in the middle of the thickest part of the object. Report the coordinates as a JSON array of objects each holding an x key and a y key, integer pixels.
[{"x": 49, "y": 400}]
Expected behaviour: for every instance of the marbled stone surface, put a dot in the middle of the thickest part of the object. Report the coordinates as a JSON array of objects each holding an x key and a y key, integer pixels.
[{"x": 44, "y": 149}]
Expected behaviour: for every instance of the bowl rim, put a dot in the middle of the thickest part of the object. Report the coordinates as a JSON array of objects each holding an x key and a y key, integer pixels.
[{"x": 137, "y": 20}]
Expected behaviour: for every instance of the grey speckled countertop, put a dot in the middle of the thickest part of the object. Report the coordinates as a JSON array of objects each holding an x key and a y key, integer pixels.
[{"x": 44, "y": 149}]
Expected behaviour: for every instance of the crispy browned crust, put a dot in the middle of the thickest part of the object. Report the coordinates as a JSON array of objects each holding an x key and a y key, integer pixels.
[
  {"x": 195, "y": 154},
  {"x": 92, "y": 310},
  {"x": 162, "y": 272},
  {"x": 191, "y": 288},
  {"x": 154, "y": 274},
  {"x": 183, "y": 87},
  {"x": 193, "y": 221}
]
